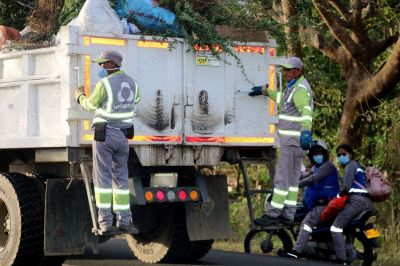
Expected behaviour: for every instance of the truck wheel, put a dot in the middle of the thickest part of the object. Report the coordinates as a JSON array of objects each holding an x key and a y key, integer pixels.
[
  {"x": 156, "y": 226},
  {"x": 163, "y": 236},
  {"x": 21, "y": 221}
]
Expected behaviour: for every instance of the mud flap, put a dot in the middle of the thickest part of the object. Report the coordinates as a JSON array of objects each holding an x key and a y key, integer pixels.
[
  {"x": 210, "y": 219},
  {"x": 68, "y": 226}
]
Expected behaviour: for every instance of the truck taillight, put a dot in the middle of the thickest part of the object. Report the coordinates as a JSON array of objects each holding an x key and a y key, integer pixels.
[
  {"x": 182, "y": 195},
  {"x": 160, "y": 195},
  {"x": 194, "y": 195},
  {"x": 149, "y": 196}
]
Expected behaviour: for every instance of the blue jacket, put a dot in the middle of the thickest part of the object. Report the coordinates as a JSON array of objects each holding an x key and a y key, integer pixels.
[{"x": 323, "y": 183}]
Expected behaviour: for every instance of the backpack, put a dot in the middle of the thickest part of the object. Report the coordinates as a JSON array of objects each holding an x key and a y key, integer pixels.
[{"x": 378, "y": 186}]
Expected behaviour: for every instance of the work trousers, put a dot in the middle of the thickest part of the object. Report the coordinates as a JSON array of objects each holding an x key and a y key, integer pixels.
[
  {"x": 309, "y": 222},
  {"x": 286, "y": 182},
  {"x": 354, "y": 206},
  {"x": 110, "y": 171}
]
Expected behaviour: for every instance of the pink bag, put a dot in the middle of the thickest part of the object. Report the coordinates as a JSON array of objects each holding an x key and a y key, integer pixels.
[{"x": 378, "y": 186}]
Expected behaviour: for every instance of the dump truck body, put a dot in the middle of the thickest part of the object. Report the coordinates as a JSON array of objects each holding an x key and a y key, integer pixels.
[{"x": 194, "y": 112}]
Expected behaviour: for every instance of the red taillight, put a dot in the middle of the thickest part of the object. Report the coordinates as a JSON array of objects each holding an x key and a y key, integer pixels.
[
  {"x": 182, "y": 195},
  {"x": 160, "y": 195}
]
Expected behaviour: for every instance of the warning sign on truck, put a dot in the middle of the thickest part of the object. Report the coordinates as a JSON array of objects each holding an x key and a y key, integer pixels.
[{"x": 206, "y": 58}]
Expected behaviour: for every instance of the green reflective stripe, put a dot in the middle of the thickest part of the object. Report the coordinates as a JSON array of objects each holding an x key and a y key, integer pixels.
[
  {"x": 121, "y": 191},
  {"x": 127, "y": 120},
  {"x": 278, "y": 97},
  {"x": 99, "y": 120},
  {"x": 277, "y": 205},
  {"x": 121, "y": 207},
  {"x": 278, "y": 198},
  {"x": 121, "y": 199},
  {"x": 103, "y": 190},
  {"x": 107, "y": 85},
  {"x": 280, "y": 192},
  {"x": 103, "y": 197},
  {"x": 289, "y": 132},
  {"x": 103, "y": 205},
  {"x": 307, "y": 107},
  {"x": 86, "y": 102},
  {"x": 291, "y": 202},
  {"x": 295, "y": 87},
  {"x": 295, "y": 118},
  {"x": 292, "y": 196},
  {"x": 137, "y": 93}
]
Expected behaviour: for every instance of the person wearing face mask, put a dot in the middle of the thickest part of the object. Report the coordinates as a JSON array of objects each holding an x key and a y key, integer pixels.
[
  {"x": 112, "y": 102},
  {"x": 295, "y": 109},
  {"x": 322, "y": 185},
  {"x": 353, "y": 185}
]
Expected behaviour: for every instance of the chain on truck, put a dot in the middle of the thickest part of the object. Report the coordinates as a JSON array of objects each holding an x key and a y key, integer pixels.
[{"x": 192, "y": 115}]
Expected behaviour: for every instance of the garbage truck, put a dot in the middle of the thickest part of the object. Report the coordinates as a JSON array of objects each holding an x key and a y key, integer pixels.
[{"x": 194, "y": 113}]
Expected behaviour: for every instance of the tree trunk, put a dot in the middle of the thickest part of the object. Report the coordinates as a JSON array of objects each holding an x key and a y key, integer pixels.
[
  {"x": 291, "y": 28},
  {"x": 357, "y": 78}
]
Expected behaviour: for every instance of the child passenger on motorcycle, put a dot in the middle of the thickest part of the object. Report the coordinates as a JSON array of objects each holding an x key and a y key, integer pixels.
[
  {"x": 322, "y": 185},
  {"x": 359, "y": 201}
]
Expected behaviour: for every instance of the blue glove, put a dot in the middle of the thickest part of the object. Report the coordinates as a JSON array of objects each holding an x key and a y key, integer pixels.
[
  {"x": 255, "y": 91},
  {"x": 305, "y": 139}
]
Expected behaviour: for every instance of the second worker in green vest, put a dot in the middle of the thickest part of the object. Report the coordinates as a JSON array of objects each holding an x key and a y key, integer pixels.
[
  {"x": 295, "y": 110},
  {"x": 112, "y": 102}
]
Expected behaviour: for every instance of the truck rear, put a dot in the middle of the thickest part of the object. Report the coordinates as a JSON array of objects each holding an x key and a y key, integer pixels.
[{"x": 194, "y": 113}]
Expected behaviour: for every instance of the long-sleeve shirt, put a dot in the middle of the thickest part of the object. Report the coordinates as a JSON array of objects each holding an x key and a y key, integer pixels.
[
  {"x": 349, "y": 173},
  {"x": 326, "y": 169}
]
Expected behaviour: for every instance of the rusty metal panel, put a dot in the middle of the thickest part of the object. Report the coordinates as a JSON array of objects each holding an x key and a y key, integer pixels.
[
  {"x": 68, "y": 226},
  {"x": 210, "y": 220}
]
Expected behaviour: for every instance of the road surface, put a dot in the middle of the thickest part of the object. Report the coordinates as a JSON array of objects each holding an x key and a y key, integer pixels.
[{"x": 116, "y": 252}]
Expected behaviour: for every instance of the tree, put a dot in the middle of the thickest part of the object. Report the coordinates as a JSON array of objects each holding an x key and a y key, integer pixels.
[{"x": 355, "y": 34}]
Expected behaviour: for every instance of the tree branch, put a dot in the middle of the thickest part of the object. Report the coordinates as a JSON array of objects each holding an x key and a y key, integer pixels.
[
  {"x": 335, "y": 26},
  {"x": 381, "y": 46},
  {"x": 357, "y": 25},
  {"x": 338, "y": 5},
  {"x": 384, "y": 80},
  {"x": 315, "y": 39}
]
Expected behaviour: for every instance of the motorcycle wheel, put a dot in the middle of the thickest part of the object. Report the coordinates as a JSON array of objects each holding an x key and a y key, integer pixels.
[
  {"x": 364, "y": 249},
  {"x": 259, "y": 241}
]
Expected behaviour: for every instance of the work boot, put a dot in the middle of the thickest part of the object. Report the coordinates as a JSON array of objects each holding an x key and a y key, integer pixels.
[
  {"x": 286, "y": 221},
  {"x": 266, "y": 220},
  {"x": 129, "y": 229},
  {"x": 293, "y": 254}
]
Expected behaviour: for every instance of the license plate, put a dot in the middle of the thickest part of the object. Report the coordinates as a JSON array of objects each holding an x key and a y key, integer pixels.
[{"x": 372, "y": 233}]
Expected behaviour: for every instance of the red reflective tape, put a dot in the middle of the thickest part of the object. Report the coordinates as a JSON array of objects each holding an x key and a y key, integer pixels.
[{"x": 205, "y": 139}]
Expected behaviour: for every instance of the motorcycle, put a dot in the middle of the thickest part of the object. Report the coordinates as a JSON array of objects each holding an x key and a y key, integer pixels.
[{"x": 360, "y": 234}]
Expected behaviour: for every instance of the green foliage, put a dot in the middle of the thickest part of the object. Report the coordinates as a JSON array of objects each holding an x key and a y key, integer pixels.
[
  {"x": 329, "y": 94},
  {"x": 14, "y": 13}
]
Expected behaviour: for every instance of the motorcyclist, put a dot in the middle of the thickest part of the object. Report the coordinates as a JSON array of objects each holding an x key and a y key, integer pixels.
[
  {"x": 322, "y": 185},
  {"x": 359, "y": 201}
]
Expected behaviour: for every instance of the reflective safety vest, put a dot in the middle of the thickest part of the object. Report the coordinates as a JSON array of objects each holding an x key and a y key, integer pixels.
[
  {"x": 290, "y": 119},
  {"x": 122, "y": 94},
  {"x": 326, "y": 188},
  {"x": 359, "y": 183}
]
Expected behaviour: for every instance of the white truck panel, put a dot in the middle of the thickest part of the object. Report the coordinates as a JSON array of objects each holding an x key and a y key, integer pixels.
[{"x": 181, "y": 100}]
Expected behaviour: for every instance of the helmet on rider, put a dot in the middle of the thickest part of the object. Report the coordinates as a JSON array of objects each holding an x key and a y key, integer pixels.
[{"x": 318, "y": 153}]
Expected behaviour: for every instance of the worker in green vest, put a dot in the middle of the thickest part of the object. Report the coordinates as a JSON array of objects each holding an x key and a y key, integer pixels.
[
  {"x": 295, "y": 109},
  {"x": 112, "y": 103}
]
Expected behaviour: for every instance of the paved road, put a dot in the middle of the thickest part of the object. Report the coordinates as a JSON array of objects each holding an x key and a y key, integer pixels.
[{"x": 116, "y": 253}]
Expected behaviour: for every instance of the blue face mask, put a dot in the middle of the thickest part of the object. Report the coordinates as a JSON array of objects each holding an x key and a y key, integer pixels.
[
  {"x": 102, "y": 73},
  {"x": 344, "y": 159},
  {"x": 318, "y": 159}
]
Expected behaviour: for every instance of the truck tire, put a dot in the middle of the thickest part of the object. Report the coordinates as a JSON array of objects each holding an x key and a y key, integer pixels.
[
  {"x": 166, "y": 238},
  {"x": 21, "y": 221}
]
